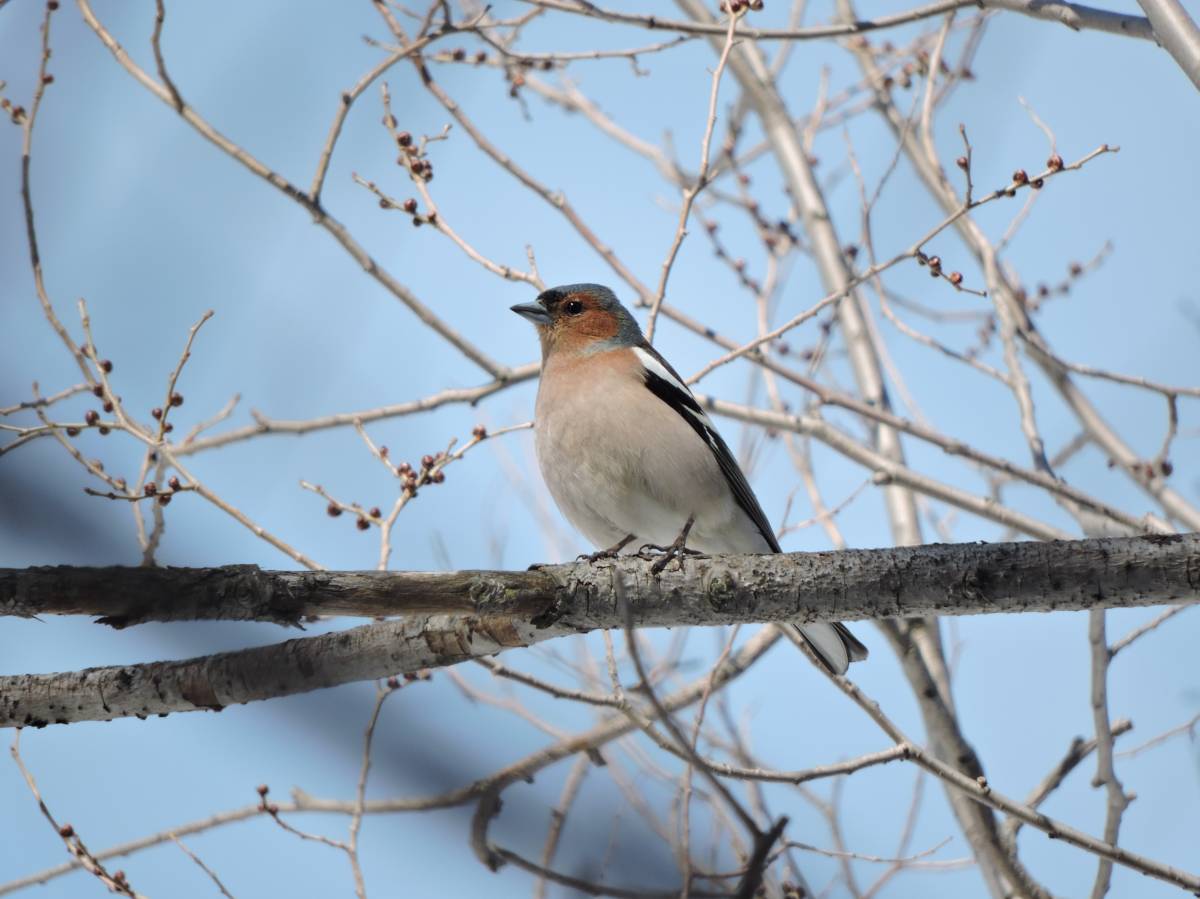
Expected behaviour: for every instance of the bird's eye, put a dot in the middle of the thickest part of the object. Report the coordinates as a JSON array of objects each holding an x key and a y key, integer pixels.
[{"x": 573, "y": 307}]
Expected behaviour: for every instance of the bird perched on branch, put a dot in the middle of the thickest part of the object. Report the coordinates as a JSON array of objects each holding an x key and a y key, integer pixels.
[{"x": 629, "y": 455}]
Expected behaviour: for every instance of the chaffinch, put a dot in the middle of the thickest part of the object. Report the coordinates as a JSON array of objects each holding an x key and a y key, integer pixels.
[{"x": 628, "y": 454}]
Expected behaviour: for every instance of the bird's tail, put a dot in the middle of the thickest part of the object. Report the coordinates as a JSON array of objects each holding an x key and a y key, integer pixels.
[{"x": 833, "y": 643}]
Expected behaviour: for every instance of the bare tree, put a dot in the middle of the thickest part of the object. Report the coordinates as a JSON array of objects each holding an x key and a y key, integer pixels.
[{"x": 857, "y": 256}]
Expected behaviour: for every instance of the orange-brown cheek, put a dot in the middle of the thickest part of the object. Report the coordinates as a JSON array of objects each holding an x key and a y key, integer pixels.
[
  {"x": 597, "y": 325},
  {"x": 577, "y": 333}
]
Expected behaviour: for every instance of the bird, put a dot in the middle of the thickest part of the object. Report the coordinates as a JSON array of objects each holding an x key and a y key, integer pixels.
[{"x": 628, "y": 454}]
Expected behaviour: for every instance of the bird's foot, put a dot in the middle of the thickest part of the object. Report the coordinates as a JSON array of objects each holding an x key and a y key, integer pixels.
[
  {"x": 663, "y": 555},
  {"x": 675, "y": 551},
  {"x": 611, "y": 553},
  {"x": 598, "y": 556}
]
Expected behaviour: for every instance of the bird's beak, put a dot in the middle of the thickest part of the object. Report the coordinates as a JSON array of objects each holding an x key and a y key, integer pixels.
[{"x": 534, "y": 312}]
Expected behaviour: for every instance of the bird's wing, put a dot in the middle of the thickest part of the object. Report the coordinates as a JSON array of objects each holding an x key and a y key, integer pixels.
[
  {"x": 833, "y": 643},
  {"x": 665, "y": 383}
]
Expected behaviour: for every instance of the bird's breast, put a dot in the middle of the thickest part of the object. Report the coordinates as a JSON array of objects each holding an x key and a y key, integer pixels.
[{"x": 617, "y": 459}]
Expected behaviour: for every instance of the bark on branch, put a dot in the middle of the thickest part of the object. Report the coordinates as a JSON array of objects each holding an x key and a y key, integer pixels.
[{"x": 451, "y": 617}]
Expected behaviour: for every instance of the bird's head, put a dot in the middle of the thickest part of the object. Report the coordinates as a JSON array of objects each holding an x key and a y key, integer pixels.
[{"x": 580, "y": 319}]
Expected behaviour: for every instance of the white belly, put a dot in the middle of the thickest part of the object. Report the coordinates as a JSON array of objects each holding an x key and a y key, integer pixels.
[{"x": 645, "y": 472}]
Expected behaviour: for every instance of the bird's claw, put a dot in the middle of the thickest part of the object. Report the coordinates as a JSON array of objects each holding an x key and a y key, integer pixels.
[
  {"x": 676, "y": 550},
  {"x": 611, "y": 553},
  {"x": 597, "y": 556},
  {"x": 663, "y": 555}
]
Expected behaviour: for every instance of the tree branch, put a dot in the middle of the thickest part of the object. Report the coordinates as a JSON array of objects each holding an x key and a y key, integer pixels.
[
  {"x": 461, "y": 615},
  {"x": 1177, "y": 32},
  {"x": 1075, "y": 16}
]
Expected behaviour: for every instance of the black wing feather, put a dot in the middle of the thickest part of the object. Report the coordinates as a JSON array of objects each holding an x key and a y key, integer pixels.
[{"x": 685, "y": 404}]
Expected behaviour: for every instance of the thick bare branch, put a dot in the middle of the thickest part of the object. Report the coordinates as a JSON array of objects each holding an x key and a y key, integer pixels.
[
  {"x": 944, "y": 579},
  {"x": 491, "y": 611},
  {"x": 1177, "y": 32}
]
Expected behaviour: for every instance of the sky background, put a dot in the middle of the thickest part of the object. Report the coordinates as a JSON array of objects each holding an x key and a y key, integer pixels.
[{"x": 153, "y": 226}]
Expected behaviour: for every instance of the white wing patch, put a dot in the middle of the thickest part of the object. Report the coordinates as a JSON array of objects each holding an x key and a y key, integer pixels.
[
  {"x": 653, "y": 365},
  {"x": 659, "y": 369}
]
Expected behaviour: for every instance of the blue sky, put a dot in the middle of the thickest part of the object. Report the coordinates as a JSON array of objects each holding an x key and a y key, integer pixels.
[{"x": 153, "y": 226}]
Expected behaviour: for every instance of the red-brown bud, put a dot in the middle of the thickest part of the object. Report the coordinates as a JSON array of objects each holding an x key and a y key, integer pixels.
[
  {"x": 150, "y": 489},
  {"x": 1054, "y": 163},
  {"x": 332, "y": 510},
  {"x": 956, "y": 278},
  {"x": 176, "y": 399},
  {"x": 479, "y": 432},
  {"x": 91, "y": 416},
  {"x": 106, "y": 365},
  {"x": 164, "y": 499},
  {"x": 410, "y": 205},
  {"x": 375, "y": 513},
  {"x": 174, "y": 483},
  {"x": 362, "y": 524},
  {"x": 156, "y": 413},
  {"x": 962, "y": 163},
  {"x": 1020, "y": 176}
]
